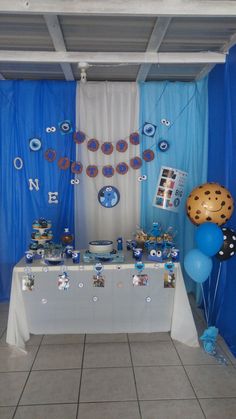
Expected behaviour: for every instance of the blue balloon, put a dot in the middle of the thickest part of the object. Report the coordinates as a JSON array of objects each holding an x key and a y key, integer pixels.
[
  {"x": 197, "y": 265},
  {"x": 209, "y": 238}
]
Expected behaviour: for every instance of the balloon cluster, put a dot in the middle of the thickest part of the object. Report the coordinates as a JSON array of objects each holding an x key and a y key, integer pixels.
[{"x": 209, "y": 206}]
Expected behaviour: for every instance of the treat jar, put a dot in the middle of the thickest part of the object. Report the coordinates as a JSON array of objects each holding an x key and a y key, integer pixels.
[{"x": 67, "y": 237}]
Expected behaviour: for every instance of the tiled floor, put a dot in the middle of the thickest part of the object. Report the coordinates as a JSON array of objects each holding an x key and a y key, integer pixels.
[{"x": 137, "y": 376}]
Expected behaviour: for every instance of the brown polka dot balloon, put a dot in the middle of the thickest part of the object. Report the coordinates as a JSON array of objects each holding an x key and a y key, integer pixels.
[{"x": 209, "y": 202}]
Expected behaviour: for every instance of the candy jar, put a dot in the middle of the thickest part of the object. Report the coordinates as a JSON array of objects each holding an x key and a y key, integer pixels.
[{"x": 67, "y": 237}]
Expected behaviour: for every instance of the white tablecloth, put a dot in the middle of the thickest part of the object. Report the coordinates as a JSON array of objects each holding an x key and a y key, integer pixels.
[{"x": 119, "y": 307}]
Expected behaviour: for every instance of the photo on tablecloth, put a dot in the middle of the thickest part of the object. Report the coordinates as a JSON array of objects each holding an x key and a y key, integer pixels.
[
  {"x": 169, "y": 279},
  {"x": 140, "y": 280},
  {"x": 98, "y": 281}
]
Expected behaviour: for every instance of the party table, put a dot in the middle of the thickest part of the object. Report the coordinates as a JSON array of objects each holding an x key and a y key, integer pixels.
[{"x": 124, "y": 301}]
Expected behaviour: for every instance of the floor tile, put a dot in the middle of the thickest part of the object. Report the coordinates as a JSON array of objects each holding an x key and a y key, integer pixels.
[
  {"x": 163, "y": 382},
  {"x": 4, "y": 306},
  {"x": 58, "y": 357},
  {"x": 59, "y": 411},
  {"x": 171, "y": 409},
  {"x": 219, "y": 408},
  {"x": 149, "y": 337},
  {"x": 106, "y": 337},
  {"x": 62, "y": 339},
  {"x": 6, "y": 412},
  {"x": 194, "y": 356},
  {"x": 211, "y": 381},
  {"x": 154, "y": 353},
  {"x": 12, "y": 359},
  {"x": 107, "y": 355},
  {"x": 33, "y": 341},
  {"x": 111, "y": 410},
  {"x": 107, "y": 384},
  {"x": 224, "y": 347},
  {"x": 51, "y": 387},
  {"x": 11, "y": 386}
]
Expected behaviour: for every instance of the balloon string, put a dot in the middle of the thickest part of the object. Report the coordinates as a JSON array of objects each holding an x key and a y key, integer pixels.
[
  {"x": 209, "y": 298},
  {"x": 216, "y": 288},
  {"x": 204, "y": 301}
]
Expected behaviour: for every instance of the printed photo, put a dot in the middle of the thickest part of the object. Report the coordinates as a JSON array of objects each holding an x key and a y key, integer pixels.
[
  {"x": 98, "y": 281},
  {"x": 169, "y": 279},
  {"x": 169, "y": 173},
  {"x": 140, "y": 280}
]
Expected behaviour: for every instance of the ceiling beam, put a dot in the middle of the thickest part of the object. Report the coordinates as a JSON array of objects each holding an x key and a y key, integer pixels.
[
  {"x": 154, "y": 43},
  {"x": 110, "y": 58},
  {"x": 55, "y": 31},
  {"x": 165, "y": 8},
  {"x": 224, "y": 49}
]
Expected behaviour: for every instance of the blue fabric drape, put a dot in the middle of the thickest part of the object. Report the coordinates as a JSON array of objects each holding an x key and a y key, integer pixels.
[
  {"x": 221, "y": 168},
  {"x": 27, "y": 109},
  {"x": 185, "y": 105}
]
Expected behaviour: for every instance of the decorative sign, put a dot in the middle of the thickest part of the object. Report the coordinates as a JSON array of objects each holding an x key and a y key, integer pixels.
[
  {"x": 50, "y": 129},
  {"x": 108, "y": 196},
  {"x": 163, "y": 145},
  {"x": 18, "y": 163},
  {"x": 35, "y": 144},
  {"x": 65, "y": 127},
  {"x": 170, "y": 189},
  {"x": 53, "y": 197},
  {"x": 33, "y": 184},
  {"x": 165, "y": 122},
  {"x": 149, "y": 129}
]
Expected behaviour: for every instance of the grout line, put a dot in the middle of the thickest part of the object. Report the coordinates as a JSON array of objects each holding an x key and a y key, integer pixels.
[
  {"x": 135, "y": 383},
  {"x": 80, "y": 381},
  {"x": 27, "y": 379},
  {"x": 189, "y": 380}
]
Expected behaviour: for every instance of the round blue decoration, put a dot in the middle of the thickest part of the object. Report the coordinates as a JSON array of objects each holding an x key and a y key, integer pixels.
[
  {"x": 134, "y": 138},
  {"x": 107, "y": 148},
  {"x": 35, "y": 144},
  {"x": 79, "y": 137},
  {"x": 108, "y": 171},
  {"x": 163, "y": 145},
  {"x": 121, "y": 146},
  {"x": 93, "y": 145},
  {"x": 108, "y": 196},
  {"x": 149, "y": 129},
  {"x": 136, "y": 163},
  {"x": 122, "y": 168},
  {"x": 148, "y": 155}
]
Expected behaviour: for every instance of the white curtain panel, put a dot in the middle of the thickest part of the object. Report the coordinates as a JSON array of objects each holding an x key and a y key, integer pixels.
[{"x": 106, "y": 111}]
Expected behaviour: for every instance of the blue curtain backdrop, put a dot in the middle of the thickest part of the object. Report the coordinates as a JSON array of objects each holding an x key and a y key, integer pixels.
[
  {"x": 185, "y": 106},
  {"x": 221, "y": 168},
  {"x": 27, "y": 108}
]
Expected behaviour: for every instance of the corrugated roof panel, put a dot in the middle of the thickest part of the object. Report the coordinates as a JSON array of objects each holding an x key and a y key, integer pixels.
[
  {"x": 106, "y": 34},
  {"x": 31, "y": 71},
  {"x": 24, "y": 32}
]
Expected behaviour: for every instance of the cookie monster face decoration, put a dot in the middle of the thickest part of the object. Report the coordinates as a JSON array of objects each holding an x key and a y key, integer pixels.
[
  {"x": 155, "y": 255},
  {"x": 108, "y": 196}
]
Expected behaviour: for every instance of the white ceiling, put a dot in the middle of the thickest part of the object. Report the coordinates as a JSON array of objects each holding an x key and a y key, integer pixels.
[{"x": 127, "y": 40}]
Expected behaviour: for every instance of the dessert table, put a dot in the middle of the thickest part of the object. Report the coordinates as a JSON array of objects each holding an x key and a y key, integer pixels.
[{"x": 85, "y": 305}]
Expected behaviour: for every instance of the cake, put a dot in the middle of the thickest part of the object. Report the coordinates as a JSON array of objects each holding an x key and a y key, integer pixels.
[{"x": 101, "y": 246}]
